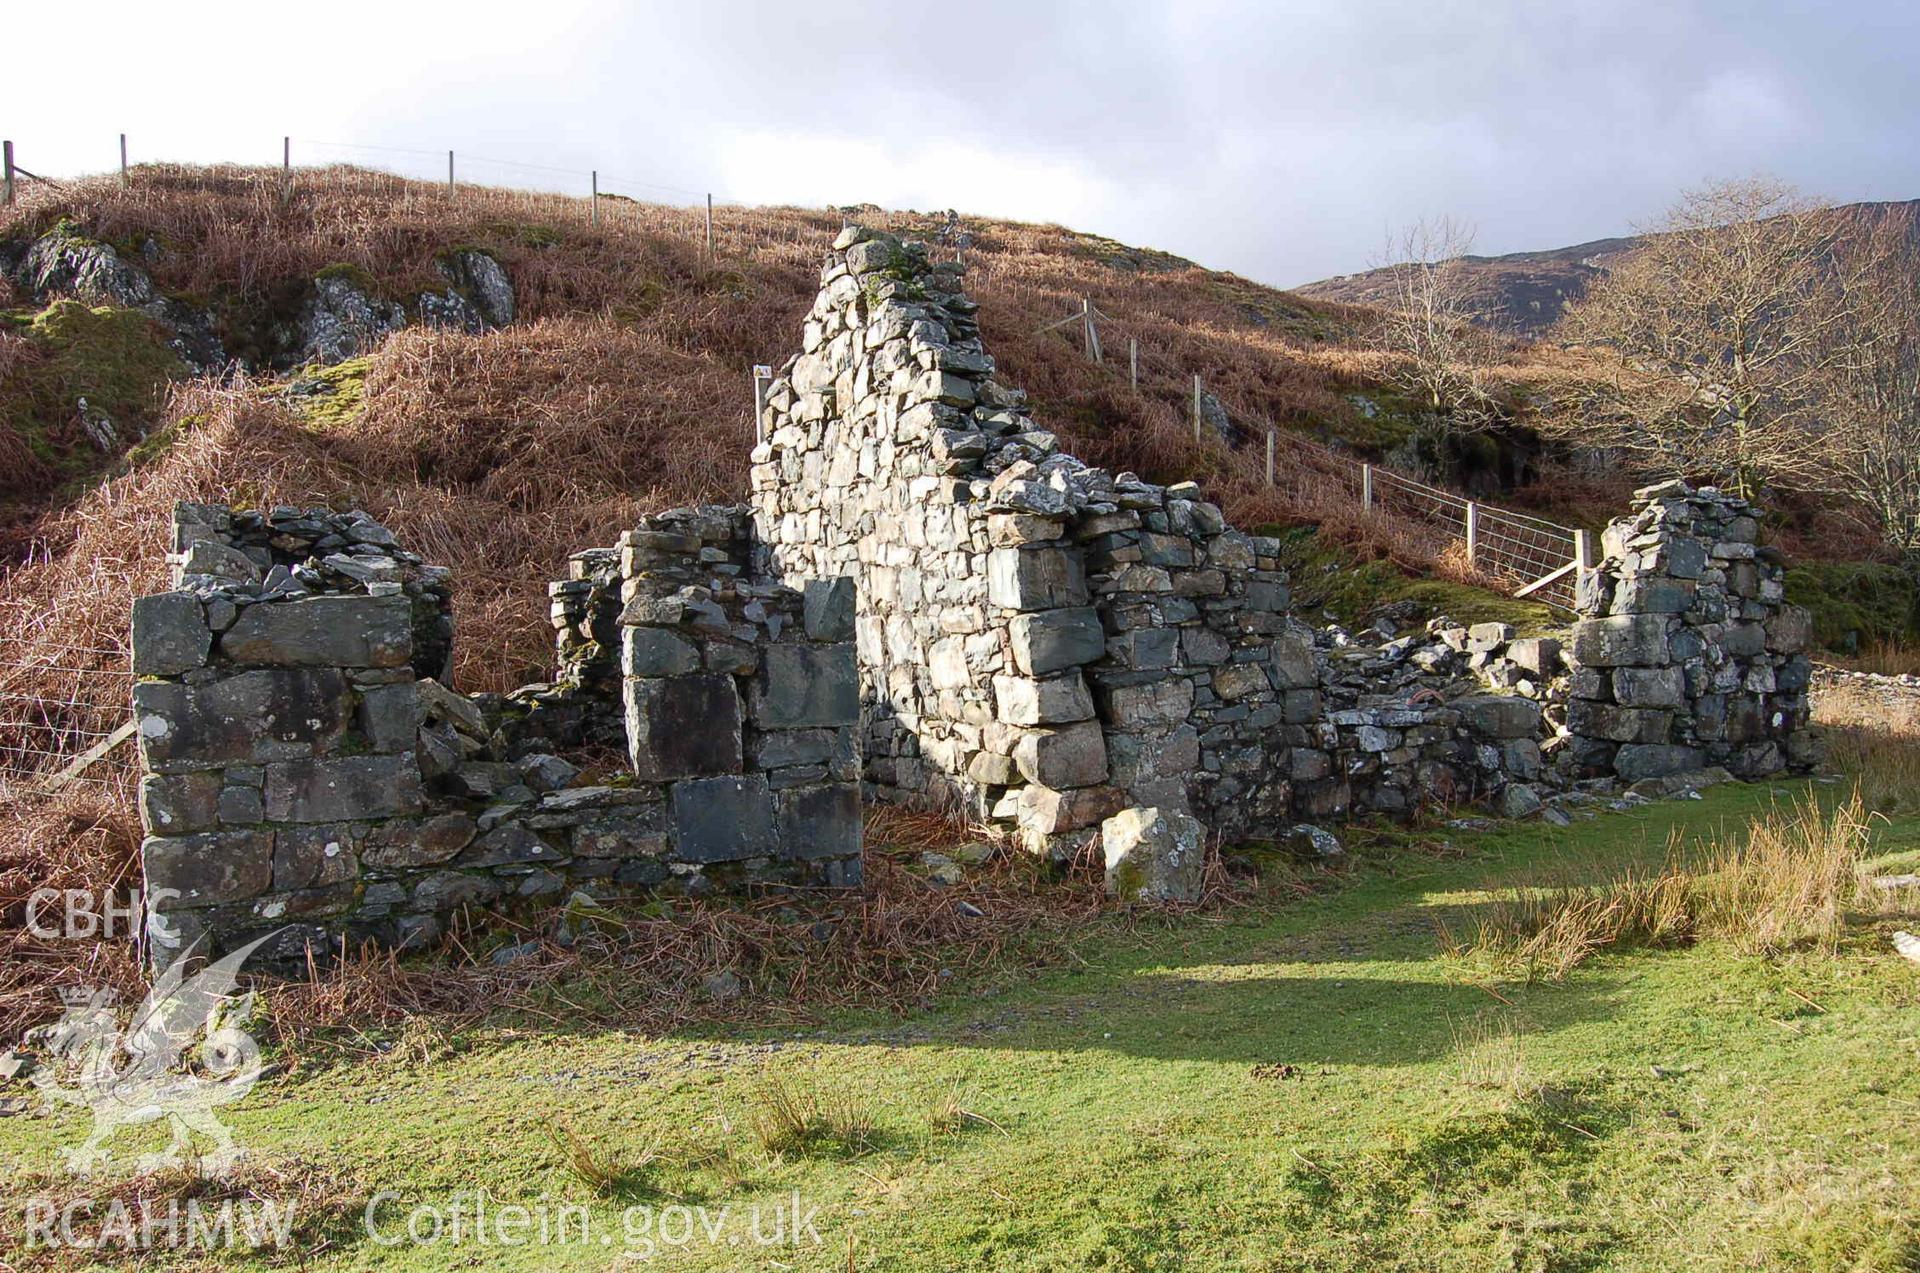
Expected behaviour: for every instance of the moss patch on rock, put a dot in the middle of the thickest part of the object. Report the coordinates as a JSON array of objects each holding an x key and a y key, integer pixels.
[{"x": 328, "y": 397}]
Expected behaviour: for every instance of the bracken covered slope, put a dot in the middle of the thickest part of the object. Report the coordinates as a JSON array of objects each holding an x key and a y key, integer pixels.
[{"x": 623, "y": 386}]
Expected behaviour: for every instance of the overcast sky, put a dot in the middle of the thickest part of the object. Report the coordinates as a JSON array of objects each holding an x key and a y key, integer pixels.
[{"x": 1277, "y": 139}]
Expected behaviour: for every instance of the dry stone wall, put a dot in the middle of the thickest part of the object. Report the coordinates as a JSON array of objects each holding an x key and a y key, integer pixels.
[
  {"x": 1688, "y": 654},
  {"x": 1040, "y": 642},
  {"x": 309, "y": 778}
]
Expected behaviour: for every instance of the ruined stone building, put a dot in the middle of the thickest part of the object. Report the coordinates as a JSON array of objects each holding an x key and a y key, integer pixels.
[{"x": 926, "y": 601}]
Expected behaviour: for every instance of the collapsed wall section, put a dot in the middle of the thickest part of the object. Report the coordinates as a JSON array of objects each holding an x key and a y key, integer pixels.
[
  {"x": 308, "y": 779},
  {"x": 1040, "y": 642}
]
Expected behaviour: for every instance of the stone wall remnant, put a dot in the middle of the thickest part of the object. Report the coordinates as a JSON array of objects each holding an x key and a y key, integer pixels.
[
  {"x": 1688, "y": 654},
  {"x": 926, "y": 601},
  {"x": 310, "y": 776}
]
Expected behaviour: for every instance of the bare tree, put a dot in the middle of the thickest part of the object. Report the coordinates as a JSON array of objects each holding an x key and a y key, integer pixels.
[
  {"x": 1715, "y": 333},
  {"x": 1871, "y": 333},
  {"x": 1441, "y": 358}
]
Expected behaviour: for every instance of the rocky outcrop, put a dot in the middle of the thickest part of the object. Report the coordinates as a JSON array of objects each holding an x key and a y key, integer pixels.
[
  {"x": 63, "y": 262},
  {"x": 340, "y": 316},
  {"x": 344, "y": 316},
  {"x": 342, "y": 319}
]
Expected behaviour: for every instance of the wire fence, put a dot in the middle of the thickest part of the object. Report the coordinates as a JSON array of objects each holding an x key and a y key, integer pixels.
[
  {"x": 1531, "y": 556},
  {"x": 66, "y": 719}
]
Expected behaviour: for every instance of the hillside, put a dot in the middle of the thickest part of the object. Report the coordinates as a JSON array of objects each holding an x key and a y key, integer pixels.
[
  {"x": 621, "y": 385},
  {"x": 1526, "y": 292}
]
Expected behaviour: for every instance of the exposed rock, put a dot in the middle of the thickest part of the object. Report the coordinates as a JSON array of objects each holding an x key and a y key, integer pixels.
[
  {"x": 340, "y": 320},
  {"x": 1154, "y": 855}
]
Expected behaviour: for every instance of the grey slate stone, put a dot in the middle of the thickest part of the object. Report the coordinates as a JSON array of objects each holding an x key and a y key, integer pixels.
[
  {"x": 1073, "y": 756},
  {"x": 819, "y": 822},
  {"x": 390, "y": 716},
  {"x": 635, "y": 831},
  {"x": 1054, "y": 700},
  {"x": 170, "y": 634},
  {"x": 827, "y": 609},
  {"x": 654, "y": 652},
  {"x": 268, "y": 714},
  {"x": 1633, "y": 640},
  {"x": 175, "y": 804},
  {"x": 722, "y": 819},
  {"x": 508, "y": 844},
  {"x": 1035, "y": 578},
  {"x": 1053, "y": 640},
  {"x": 1619, "y": 724},
  {"x": 1649, "y": 686},
  {"x": 806, "y": 685},
  {"x": 1499, "y": 715},
  {"x": 445, "y": 891},
  {"x": 1638, "y": 761},
  {"x": 241, "y": 806},
  {"x": 342, "y": 788},
  {"x": 684, "y": 726},
  {"x": 313, "y": 857},
  {"x": 328, "y": 631},
  {"x": 208, "y": 869},
  {"x": 1154, "y": 855},
  {"x": 410, "y": 843}
]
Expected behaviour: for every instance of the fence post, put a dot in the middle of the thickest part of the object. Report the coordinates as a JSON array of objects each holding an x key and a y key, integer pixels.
[
  {"x": 762, "y": 377},
  {"x": 709, "y": 229},
  {"x": 1473, "y": 533},
  {"x": 123, "y": 158},
  {"x": 1583, "y": 559},
  {"x": 6, "y": 164},
  {"x": 1133, "y": 363},
  {"x": 286, "y": 158},
  {"x": 596, "y": 196},
  {"x": 449, "y": 174},
  {"x": 1366, "y": 488},
  {"x": 1088, "y": 328},
  {"x": 1270, "y": 444},
  {"x": 1196, "y": 406}
]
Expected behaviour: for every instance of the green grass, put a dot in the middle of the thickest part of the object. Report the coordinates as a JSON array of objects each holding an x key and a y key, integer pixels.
[
  {"x": 1310, "y": 1085},
  {"x": 1856, "y": 604},
  {"x": 1328, "y": 577}
]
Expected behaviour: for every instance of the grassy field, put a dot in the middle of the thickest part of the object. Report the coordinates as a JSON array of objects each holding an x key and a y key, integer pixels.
[{"x": 1315, "y": 1084}]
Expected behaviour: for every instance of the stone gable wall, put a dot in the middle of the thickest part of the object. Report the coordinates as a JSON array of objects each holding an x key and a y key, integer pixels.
[{"x": 1040, "y": 642}]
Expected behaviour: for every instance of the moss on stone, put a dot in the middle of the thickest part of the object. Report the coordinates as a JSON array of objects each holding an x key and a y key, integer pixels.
[
  {"x": 157, "y": 443},
  {"x": 349, "y": 273},
  {"x": 329, "y": 397}
]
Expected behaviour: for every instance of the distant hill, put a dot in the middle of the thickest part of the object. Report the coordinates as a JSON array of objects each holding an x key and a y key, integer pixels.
[{"x": 1526, "y": 292}]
